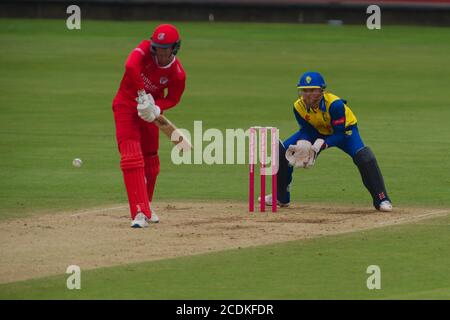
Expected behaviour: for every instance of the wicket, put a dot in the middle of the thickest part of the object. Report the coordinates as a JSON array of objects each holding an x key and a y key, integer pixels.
[{"x": 263, "y": 166}]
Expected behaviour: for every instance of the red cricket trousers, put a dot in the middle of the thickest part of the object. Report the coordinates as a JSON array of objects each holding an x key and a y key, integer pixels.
[{"x": 138, "y": 143}]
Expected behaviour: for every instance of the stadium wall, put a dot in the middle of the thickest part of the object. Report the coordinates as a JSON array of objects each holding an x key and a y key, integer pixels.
[{"x": 412, "y": 12}]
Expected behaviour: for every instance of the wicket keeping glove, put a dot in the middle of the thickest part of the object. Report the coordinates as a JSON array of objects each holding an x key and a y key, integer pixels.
[
  {"x": 314, "y": 152},
  {"x": 298, "y": 155},
  {"x": 290, "y": 155}
]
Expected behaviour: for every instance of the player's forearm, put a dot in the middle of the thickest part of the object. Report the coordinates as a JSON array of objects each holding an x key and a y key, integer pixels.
[
  {"x": 166, "y": 103},
  {"x": 133, "y": 69},
  {"x": 172, "y": 98},
  {"x": 134, "y": 75},
  {"x": 338, "y": 121}
]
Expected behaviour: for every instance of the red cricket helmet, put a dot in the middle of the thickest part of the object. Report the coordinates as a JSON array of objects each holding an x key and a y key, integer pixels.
[{"x": 166, "y": 36}]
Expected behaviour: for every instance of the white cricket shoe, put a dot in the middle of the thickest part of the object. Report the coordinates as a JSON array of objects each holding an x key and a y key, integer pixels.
[
  {"x": 140, "y": 221},
  {"x": 154, "y": 217},
  {"x": 385, "y": 206},
  {"x": 268, "y": 199}
]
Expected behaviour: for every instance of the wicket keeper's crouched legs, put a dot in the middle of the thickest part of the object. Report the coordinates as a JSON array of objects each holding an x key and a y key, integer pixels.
[
  {"x": 352, "y": 144},
  {"x": 371, "y": 175},
  {"x": 284, "y": 178}
]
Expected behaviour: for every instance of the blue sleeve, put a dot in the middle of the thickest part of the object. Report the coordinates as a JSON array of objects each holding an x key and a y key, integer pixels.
[
  {"x": 337, "y": 113},
  {"x": 306, "y": 130}
]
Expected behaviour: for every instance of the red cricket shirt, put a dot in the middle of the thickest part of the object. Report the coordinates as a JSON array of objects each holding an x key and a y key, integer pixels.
[{"x": 143, "y": 72}]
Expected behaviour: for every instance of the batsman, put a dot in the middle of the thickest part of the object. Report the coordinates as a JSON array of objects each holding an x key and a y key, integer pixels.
[
  {"x": 154, "y": 81},
  {"x": 326, "y": 121}
]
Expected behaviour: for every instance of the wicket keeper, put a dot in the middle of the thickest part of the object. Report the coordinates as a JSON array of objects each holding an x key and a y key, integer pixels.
[
  {"x": 154, "y": 81},
  {"x": 326, "y": 121}
]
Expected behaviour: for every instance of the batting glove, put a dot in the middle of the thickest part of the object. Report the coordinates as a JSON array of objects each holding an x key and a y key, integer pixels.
[
  {"x": 148, "y": 111},
  {"x": 144, "y": 97}
]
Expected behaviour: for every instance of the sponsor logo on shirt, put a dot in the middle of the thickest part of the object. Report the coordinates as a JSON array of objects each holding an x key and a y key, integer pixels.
[
  {"x": 148, "y": 84},
  {"x": 163, "y": 80},
  {"x": 338, "y": 121}
]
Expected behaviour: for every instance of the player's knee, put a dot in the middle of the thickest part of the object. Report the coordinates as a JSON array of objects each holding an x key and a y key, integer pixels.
[
  {"x": 364, "y": 155},
  {"x": 131, "y": 155},
  {"x": 152, "y": 164}
]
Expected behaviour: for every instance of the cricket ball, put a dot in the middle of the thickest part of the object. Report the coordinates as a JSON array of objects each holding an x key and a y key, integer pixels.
[{"x": 77, "y": 162}]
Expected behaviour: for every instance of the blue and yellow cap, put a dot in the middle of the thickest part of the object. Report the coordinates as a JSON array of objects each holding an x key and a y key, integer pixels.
[{"x": 310, "y": 80}]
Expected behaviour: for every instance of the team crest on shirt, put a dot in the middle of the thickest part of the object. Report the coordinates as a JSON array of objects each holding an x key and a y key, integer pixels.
[
  {"x": 161, "y": 36},
  {"x": 163, "y": 80},
  {"x": 308, "y": 79}
]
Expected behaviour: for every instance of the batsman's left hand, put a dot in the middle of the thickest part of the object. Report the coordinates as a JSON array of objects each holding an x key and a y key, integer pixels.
[
  {"x": 144, "y": 97},
  {"x": 148, "y": 111}
]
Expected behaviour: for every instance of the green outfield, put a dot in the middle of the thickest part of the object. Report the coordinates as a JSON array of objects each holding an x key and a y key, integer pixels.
[{"x": 56, "y": 88}]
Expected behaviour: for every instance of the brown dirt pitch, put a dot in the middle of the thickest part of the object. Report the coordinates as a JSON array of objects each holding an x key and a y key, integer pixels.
[{"x": 46, "y": 244}]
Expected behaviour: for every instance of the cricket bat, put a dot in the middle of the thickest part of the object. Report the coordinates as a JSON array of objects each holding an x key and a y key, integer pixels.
[{"x": 173, "y": 133}]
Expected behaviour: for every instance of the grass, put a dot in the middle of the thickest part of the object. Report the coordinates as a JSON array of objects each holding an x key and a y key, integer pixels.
[
  {"x": 56, "y": 89},
  {"x": 57, "y": 86},
  {"x": 412, "y": 260}
]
